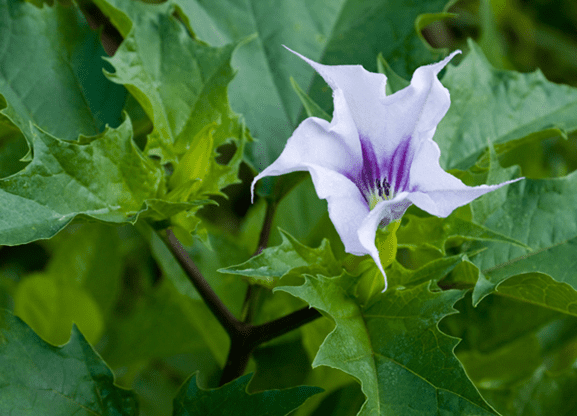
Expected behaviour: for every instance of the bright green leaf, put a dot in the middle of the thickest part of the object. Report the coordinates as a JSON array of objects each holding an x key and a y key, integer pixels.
[
  {"x": 39, "y": 379},
  {"x": 103, "y": 177},
  {"x": 50, "y": 309},
  {"x": 394, "y": 348},
  {"x": 232, "y": 398},
  {"x": 291, "y": 256}
]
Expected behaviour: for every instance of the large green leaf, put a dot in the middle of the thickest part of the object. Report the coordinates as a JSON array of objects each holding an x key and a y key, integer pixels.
[
  {"x": 332, "y": 32},
  {"x": 499, "y": 106},
  {"x": 37, "y": 378},
  {"x": 538, "y": 213},
  {"x": 404, "y": 364},
  {"x": 52, "y": 72},
  {"x": 518, "y": 354},
  {"x": 103, "y": 177},
  {"x": 232, "y": 398}
]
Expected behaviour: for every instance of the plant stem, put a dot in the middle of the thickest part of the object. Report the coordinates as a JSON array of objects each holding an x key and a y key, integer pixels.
[
  {"x": 244, "y": 337},
  {"x": 218, "y": 309}
]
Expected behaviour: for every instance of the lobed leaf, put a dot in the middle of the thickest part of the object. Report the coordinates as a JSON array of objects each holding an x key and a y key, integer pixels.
[
  {"x": 345, "y": 32},
  {"x": 232, "y": 398},
  {"x": 52, "y": 72},
  {"x": 103, "y": 177},
  {"x": 289, "y": 257},
  {"x": 394, "y": 348},
  {"x": 499, "y": 105},
  {"x": 37, "y": 378}
]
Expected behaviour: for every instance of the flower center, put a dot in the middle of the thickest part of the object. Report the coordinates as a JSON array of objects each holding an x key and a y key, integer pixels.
[{"x": 380, "y": 192}]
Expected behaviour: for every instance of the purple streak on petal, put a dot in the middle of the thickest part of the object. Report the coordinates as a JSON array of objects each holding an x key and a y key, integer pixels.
[
  {"x": 370, "y": 171},
  {"x": 399, "y": 166}
]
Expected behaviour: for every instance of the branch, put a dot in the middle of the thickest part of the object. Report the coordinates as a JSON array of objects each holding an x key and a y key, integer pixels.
[
  {"x": 219, "y": 310},
  {"x": 244, "y": 337}
]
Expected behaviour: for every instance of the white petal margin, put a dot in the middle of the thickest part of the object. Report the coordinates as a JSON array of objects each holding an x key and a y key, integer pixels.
[
  {"x": 385, "y": 210},
  {"x": 436, "y": 191}
]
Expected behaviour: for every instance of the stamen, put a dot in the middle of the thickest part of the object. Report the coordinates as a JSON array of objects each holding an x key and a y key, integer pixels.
[{"x": 381, "y": 190}]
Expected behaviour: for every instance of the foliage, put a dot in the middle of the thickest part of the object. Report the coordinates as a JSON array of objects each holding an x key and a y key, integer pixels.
[{"x": 100, "y": 155}]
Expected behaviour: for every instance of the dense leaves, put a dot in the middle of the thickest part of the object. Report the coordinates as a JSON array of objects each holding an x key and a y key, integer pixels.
[{"x": 99, "y": 156}]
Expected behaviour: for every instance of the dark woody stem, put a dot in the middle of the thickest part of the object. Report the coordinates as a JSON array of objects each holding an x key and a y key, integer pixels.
[{"x": 244, "y": 336}]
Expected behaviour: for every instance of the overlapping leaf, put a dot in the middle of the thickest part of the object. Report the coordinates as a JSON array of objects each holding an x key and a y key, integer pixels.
[
  {"x": 181, "y": 84},
  {"x": 341, "y": 32},
  {"x": 290, "y": 256},
  {"x": 103, "y": 177},
  {"x": 37, "y": 378},
  {"x": 499, "y": 106},
  {"x": 52, "y": 72},
  {"x": 232, "y": 398},
  {"x": 394, "y": 348}
]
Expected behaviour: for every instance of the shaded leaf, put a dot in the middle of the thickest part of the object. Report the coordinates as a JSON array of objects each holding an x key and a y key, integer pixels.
[
  {"x": 52, "y": 72},
  {"x": 37, "y": 378},
  {"x": 438, "y": 232},
  {"x": 499, "y": 105},
  {"x": 232, "y": 398},
  {"x": 345, "y": 32}
]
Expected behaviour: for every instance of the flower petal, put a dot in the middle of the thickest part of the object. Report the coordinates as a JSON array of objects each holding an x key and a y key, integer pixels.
[
  {"x": 347, "y": 207},
  {"x": 436, "y": 191},
  {"x": 387, "y": 211},
  {"x": 362, "y": 91},
  {"x": 317, "y": 142}
]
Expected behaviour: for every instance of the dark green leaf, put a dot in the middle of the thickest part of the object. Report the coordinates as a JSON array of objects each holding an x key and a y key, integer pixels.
[
  {"x": 52, "y": 72},
  {"x": 347, "y": 32},
  {"x": 37, "y": 378},
  {"x": 499, "y": 106},
  {"x": 232, "y": 398}
]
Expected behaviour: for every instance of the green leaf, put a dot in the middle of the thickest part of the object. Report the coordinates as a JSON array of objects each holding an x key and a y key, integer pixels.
[
  {"x": 538, "y": 213},
  {"x": 290, "y": 257},
  {"x": 88, "y": 256},
  {"x": 346, "y": 32},
  {"x": 52, "y": 72},
  {"x": 181, "y": 83},
  {"x": 518, "y": 354},
  {"x": 394, "y": 81},
  {"x": 394, "y": 348},
  {"x": 50, "y": 307},
  {"x": 311, "y": 108},
  {"x": 441, "y": 232},
  {"x": 487, "y": 103},
  {"x": 103, "y": 177},
  {"x": 37, "y": 378},
  {"x": 232, "y": 398}
]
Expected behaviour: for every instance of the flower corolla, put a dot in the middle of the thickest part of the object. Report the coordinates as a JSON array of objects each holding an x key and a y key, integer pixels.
[{"x": 377, "y": 155}]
